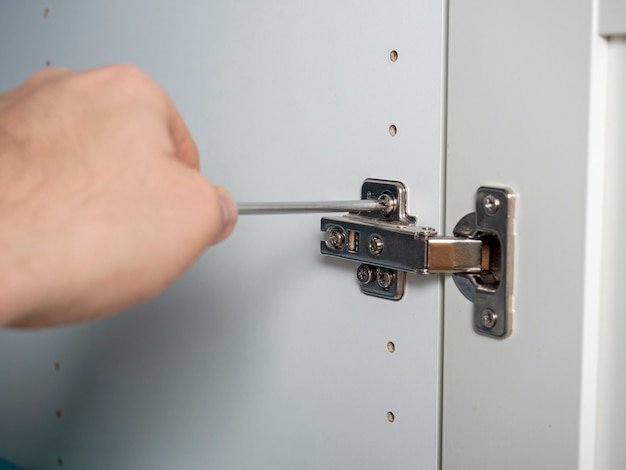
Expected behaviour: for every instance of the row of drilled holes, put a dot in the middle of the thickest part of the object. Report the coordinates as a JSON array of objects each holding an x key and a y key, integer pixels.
[
  {"x": 46, "y": 13},
  {"x": 393, "y": 130},
  {"x": 57, "y": 365}
]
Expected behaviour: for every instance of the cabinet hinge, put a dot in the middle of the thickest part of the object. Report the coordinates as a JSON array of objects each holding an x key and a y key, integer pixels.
[{"x": 388, "y": 244}]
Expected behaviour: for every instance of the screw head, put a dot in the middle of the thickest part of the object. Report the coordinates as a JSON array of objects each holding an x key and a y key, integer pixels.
[
  {"x": 488, "y": 318},
  {"x": 384, "y": 278},
  {"x": 375, "y": 245},
  {"x": 491, "y": 204},
  {"x": 365, "y": 274},
  {"x": 427, "y": 232},
  {"x": 336, "y": 238},
  {"x": 391, "y": 204}
]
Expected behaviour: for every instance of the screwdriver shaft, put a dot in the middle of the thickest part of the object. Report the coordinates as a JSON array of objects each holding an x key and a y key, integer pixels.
[{"x": 364, "y": 205}]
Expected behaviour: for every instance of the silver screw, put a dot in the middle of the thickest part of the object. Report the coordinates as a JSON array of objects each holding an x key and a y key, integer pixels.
[
  {"x": 365, "y": 274},
  {"x": 491, "y": 204},
  {"x": 390, "y": 203},
  {"x": 426, "y": 232},
  {"x": 375, "y": 245},
  {"x": 384, "y": 278},
  {"x": 488, "y": 318},
  {"x": 336, "y": 238}
]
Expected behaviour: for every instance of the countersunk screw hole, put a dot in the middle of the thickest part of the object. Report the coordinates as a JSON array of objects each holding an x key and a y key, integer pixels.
[
  {"x": 393, "y": 130},
  {"x": 393, "y": 56},
  {"x": 391, "y": 347},
  {"x": 390, "y": 417}
]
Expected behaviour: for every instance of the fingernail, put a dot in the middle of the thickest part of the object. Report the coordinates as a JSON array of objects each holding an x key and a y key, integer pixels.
[{"x": 229, "y": 210}]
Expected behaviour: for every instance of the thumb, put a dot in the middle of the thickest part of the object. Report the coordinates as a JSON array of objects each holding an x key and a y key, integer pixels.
[{"x": 229, "y": 213}]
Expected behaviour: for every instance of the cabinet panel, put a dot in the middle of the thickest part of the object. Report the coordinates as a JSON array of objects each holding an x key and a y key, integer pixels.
[{"x": 264, "y": 355}]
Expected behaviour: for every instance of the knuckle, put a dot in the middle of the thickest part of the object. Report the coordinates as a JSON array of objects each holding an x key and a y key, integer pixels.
[
  {"x": 131, "y": 80},
  {"x": 127, "y": 75}
]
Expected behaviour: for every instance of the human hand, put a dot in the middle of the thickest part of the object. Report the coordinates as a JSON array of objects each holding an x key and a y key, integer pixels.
[{"x": 101, "y": 201}]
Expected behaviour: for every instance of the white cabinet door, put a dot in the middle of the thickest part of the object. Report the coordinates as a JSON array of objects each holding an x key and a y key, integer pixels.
[
  {"x": 264, "y": 355},
  {"x": 525, "y": 109}
]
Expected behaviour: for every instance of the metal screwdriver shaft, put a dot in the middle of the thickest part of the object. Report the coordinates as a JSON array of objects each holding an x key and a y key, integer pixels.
[{"x": 364, "y": 205}]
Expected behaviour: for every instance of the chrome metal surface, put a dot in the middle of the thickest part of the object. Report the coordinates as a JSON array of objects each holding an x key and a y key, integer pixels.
[
  {"x": 386, "y": 283},
  {"x": 258, "y": 208},
  {"x": 388, "y": 245},
  {"x": 365, "y": 274},
  {"x": 375, "y": 245},
  {"x": 427, "y": 232},
  {"x": 403, "y": 248},
  {"x": 390, "y": 203},
  {"x": 450, "y": 255},
  {"x": 488, "y": 318},
  {"x": 491, "y": 204},
  {"x": 384, "y": 278},
  {"x": 366, "y": 245},
  {"x": 393, "y": 194},
  {"x": 492, "y": 287},
  {"x": 336, "y": 238}
]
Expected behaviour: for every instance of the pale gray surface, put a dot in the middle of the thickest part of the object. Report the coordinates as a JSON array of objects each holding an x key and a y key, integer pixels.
[
  {"x": 611, "y": 452},
  {"x": 612, "y": 17},
  {"x": 265, "y": 355},
  {"x": 518, "y": 115}
]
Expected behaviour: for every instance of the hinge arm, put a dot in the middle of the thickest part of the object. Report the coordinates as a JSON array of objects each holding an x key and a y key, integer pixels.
[{"x": 456, "y": 255}]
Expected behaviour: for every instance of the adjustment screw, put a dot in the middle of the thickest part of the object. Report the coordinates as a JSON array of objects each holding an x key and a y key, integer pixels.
[
  {"x": 491, "y": 204},
  {"x": 391, "y": 204},
  {"x": 365, "y": 274},
  {"x": 488, "y": 318},
  {"x": 384, "y": 278},
  {"x": 375, "y": 245},
  {"x": 336, "y": 238}
]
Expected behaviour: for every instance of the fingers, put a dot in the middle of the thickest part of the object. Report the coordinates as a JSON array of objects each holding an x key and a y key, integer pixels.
[
  {"x": 184, "y": 145},
  {"x": 185, "y": 149}
]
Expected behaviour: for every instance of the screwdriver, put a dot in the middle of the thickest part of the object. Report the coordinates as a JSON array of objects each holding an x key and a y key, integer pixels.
[
  {"x": 257, "y": 208},
  {"x": 384, "y": 204}
]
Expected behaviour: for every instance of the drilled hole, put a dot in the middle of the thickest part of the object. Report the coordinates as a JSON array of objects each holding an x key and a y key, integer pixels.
[
  {"x": 393, "y": 56},
  {"x": 391, "y": 347},
  {"x": 60, "y": 462},
  {"x": 57, "y": 366},
  {"x": 59, "y": 414},
  {"x": 390, "y": 417},
  {"x": 46, "y": 12},
  {"x": 393, "y": 130},
  {"x": 47, "y": 63}
]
